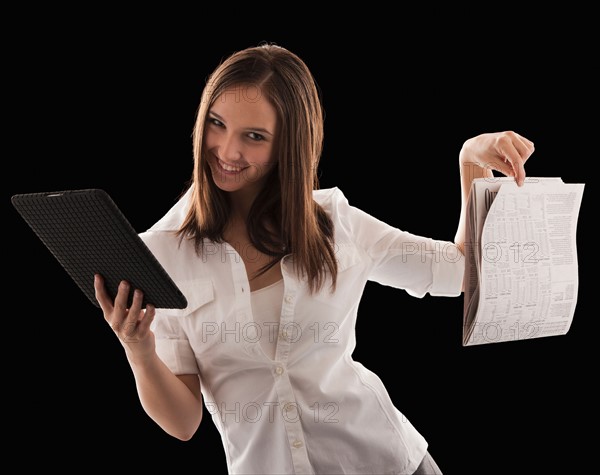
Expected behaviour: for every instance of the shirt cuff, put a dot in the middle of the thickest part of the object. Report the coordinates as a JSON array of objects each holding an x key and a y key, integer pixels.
[{"x": 448, "y": 270}]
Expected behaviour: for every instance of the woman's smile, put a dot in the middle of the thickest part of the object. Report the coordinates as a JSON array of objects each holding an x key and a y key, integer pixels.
[{"x": 229, "y": 169}]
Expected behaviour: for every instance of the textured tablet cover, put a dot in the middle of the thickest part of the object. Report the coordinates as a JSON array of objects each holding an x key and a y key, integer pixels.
[{"x": 88, "y": 234}]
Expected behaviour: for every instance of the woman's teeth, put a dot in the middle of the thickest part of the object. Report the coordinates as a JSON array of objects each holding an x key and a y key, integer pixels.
[{"x": 229, "y": 168}]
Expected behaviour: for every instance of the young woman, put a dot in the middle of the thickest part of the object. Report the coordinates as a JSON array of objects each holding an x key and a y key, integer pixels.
[{"x": 273, "y": 268}]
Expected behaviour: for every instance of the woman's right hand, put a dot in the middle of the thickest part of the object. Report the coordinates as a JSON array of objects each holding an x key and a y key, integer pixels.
[{"x": 131, "y": 325}]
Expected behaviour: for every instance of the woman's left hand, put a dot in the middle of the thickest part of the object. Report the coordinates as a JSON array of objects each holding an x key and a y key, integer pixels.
[{"x": 505, "y": 152}]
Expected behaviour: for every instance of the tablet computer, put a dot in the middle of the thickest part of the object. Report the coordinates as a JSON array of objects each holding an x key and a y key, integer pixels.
[{"x": 88, "y": 234}]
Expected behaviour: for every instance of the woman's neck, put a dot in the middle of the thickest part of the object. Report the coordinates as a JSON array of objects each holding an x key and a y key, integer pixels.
[{"x": 240, "y": 204}]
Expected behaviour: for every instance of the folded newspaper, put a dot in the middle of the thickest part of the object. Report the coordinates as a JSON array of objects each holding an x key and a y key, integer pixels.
[{"x": 521, "y": 274}]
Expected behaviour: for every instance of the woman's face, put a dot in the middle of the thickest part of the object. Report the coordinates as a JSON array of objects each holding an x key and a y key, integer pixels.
[{"x": 239, "y": 138}]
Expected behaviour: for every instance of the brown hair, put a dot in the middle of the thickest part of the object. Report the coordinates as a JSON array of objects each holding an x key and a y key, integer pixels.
[{"x": 284, "y": 218}]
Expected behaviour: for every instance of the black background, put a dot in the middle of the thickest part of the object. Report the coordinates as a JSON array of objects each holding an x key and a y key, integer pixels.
[{"x": 103, "y": 100}]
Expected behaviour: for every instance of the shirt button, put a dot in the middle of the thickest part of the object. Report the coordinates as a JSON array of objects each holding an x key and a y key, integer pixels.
[
  {"x": 297, "y": 444},
  {"x": 284, "y": 335},
  {"x": 289, "y": 299},
  {"x": 279, "y": 370}
]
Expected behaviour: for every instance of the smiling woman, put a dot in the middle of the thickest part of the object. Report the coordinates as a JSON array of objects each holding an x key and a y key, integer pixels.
[
  {"x": 238, "y": 136},
  {"x": 274, "y": 269},
  {"x": 239, "y": 149}
]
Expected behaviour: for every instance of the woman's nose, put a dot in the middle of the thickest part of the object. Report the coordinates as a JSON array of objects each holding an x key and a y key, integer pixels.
[{"x": 230, "y": 149}]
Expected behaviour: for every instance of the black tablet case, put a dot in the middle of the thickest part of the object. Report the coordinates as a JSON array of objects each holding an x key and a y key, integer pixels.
[{"x": 88, "y": 234}]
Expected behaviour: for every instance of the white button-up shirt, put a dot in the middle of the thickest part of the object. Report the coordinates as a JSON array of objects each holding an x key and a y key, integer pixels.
[{"x": 312, "y": 409}]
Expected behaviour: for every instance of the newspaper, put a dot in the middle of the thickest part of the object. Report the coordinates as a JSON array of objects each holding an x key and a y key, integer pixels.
[{"x": 521, "y": 274}]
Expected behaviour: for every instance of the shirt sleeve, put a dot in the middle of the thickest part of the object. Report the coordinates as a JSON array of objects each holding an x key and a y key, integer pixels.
[
  {"x": 172, "y": 346},
  {"x": 417, "y": 264}
]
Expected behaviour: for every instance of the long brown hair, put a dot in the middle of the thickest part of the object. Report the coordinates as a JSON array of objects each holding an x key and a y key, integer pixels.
[{"x": 284, "y": 218}]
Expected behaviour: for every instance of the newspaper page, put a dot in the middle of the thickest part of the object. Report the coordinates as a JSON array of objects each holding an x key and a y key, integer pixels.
[{"x": 521, "y": 259}]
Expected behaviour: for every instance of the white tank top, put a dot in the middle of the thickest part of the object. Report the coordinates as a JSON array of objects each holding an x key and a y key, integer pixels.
[{"x": 266, "y": 309}]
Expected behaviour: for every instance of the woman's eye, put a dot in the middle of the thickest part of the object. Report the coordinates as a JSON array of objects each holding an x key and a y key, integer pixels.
[
  {"x": 214, "y": 121},
  {"x": 255, "y": 136}
]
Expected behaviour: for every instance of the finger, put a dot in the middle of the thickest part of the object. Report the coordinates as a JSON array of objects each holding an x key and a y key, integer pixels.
[
  {"x": 102, "y": 297},
  {"x": 120, "y": 306},
  {"x": 129, "y": 328},
  {"x": 503, "y": 166},
  {"x": 518, "y": 169},
  {"x": 524, "y": 146},
  {"x": 122, "y": 297},
  {"x": 508, "y": 150},
  {"x": 146, "y": 320}
]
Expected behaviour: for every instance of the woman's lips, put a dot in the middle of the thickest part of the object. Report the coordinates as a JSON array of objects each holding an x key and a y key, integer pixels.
[{"x": 229, "y": 169}]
